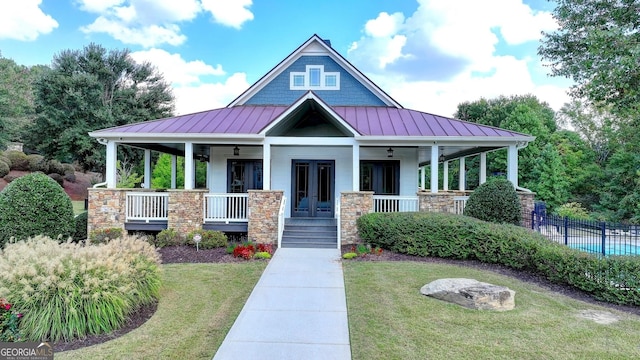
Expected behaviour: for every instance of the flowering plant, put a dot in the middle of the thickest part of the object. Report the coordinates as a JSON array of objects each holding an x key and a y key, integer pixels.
[{"x": 9, "y": 320}]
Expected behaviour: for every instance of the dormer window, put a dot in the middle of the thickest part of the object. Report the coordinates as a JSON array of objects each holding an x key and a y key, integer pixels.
[{"x": 314, "y": 78}]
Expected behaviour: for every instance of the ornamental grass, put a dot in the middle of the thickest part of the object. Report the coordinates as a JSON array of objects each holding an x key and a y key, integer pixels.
[{"x": 70, "y": 290}]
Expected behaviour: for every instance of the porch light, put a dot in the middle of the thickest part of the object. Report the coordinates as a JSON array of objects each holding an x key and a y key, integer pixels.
[
  {"x": 236, "y": 151},
  {"x": 441, "y": 158},
  {"x": 389, "y": 152}
]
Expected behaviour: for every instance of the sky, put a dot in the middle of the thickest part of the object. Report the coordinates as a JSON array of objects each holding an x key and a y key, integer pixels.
[{"x": 429, "y": 55}]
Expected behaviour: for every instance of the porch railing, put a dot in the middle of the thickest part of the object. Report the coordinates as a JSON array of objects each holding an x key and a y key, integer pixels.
[
  {"x": 281, "y": 220},
  {"x": 391, "y": 203},
  {"x": 339, "y": 227},
  {"x": 226, "y": 207},
  {"x": 459, "y": 202},
  {"x": 147, "y": 206}
]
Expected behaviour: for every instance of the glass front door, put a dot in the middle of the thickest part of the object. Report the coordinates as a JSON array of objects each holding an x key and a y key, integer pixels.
[{"x": 312, "y": 188}]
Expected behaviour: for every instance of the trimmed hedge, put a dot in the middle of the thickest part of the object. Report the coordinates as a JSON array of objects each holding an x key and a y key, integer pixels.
[
  {"x": 613, "y": 279},
  {"x": 19, "y": 160},
  {"x": 210, "y": 239},
  {"x": 81, "y": 222},
  {"x": 4, "y": 169},
  {"x": 496, "y": 201}
]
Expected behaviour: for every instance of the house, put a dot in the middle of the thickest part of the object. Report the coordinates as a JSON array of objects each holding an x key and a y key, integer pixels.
[{"x": 314, "y": 142}]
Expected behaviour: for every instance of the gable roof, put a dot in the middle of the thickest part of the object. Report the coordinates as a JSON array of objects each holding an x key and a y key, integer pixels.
[{"x": 314, "y": 46}]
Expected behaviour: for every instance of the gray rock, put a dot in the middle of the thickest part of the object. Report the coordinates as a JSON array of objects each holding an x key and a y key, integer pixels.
[{"x": 471, "y": 293}]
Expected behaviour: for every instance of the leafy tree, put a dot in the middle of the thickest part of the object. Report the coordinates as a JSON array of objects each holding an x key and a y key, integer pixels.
[
  {"x": 90, "y": 89},
  {"x": 552, "y": 185},
  {"x": 161, "y": 176},
  {"x": 597, "y": 46}
]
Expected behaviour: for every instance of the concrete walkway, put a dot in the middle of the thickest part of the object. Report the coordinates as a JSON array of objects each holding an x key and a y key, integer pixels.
[{"x": 297, "y": 310}]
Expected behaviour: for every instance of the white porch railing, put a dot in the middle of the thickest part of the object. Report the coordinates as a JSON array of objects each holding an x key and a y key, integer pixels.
[
  {"x": 147, "y": 206},
  {"x": 339, "y": 223},
  {"x": 459, "y": 202},
  {"x": 281, "y": 220},
  {"x": 391, "y": 203},
  {"x": 226, "y": 207}
]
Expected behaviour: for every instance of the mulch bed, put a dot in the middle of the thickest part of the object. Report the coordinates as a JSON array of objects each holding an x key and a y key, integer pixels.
[{"x": 188, "y": 254}]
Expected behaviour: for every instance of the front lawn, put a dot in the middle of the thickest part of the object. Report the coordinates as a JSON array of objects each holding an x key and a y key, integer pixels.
[
  {"x": 198, "y": 304},
  {"x": 390, "y": 319}
]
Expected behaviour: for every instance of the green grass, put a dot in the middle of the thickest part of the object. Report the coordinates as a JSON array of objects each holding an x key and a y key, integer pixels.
[
  {"x": 198, "y": 304},
  {"x": 78, "y": 207},
  {"x": 390, "y": 319}
]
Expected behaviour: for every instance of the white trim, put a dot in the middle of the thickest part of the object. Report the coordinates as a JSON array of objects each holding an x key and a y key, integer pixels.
[
  {"x": 306, "y": 76},
  {"x": 447, "y": 140},
  {"x": 311, "y": 141}
]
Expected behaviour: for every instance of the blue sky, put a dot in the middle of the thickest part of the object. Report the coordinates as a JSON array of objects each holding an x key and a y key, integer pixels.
[{"x": 429, "y": 55}]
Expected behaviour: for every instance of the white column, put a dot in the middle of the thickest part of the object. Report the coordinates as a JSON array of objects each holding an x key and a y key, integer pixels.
[
  {"x": 445, "y": 176},
  {"x": 210, "y": 169},
  {"x": 434, "y": 169},
  {"x": 355, "y": 158},
  {"x": 147, "y": 169},
  {"x": 483, "y": 168},
  {"x": 188, "y": 166},
  {"x": 463, "y": 175},
  {"x": 110, "y": 165},
  {"x": 266, "y": 166},
  {"x": 423, "y": 177},
  {"x": 512, "y": 164},
  {"x": 174, "y": 171}
]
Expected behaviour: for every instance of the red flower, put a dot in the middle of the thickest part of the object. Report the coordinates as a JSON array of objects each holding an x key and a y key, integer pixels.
[
  {"x": 7, "y": 307},
  {"x": 19, "y": 316}
]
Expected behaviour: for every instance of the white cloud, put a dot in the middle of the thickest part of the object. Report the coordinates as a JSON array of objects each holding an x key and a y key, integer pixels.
[
  {"x": 24, "y": 20},
  {"x": 230, "y": 13},
  {"x": 146, "y": 36},
  {"x": 207, "y": 96},
  {"x": 446, "y": 53},
  {"x": 175, "y": 69}
]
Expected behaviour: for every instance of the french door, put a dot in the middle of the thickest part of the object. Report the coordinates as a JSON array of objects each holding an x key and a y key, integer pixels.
[{"x": 312, "y": 190}]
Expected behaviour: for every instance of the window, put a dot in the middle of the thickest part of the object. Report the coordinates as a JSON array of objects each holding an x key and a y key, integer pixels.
[
  {"x": 314, "y": 78},
  {"x": 243, "y": 175},
  {"x": 381, "y": 177}
]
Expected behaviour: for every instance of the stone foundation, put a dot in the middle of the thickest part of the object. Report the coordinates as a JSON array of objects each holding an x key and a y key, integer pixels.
[
  {"x": 438, "y": 202},
  {"x": 264, "y": 206},
  {"x": 106, "y": 209},
  {"x": 527, "y": 203},
  {"x": 353, "y": 204},
  {"x": 185, "y": 210}
]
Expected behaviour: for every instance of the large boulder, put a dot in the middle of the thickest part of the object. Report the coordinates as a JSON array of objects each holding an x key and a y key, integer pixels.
[{"x": 471, "y": 293}]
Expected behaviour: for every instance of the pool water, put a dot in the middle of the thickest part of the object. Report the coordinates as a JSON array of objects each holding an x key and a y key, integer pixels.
[{"x": 617, "y": 249}]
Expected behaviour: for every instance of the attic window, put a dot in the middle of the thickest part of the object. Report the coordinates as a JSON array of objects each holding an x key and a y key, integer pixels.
[{"x": 314, "y": 78}]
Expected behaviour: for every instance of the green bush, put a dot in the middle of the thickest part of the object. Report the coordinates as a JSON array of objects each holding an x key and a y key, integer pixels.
[
  {"x": 55, "y": 167},
  {"x": 209, "y": 239},
  {"x": 19, "y": 160},
  {"x": 57, "y": 178},
  {"x": 4, "y": 169},
  {"x": 349, "y": 255},
  {"x": 68, "y": 169},
  {"x": 81, "y": 227},
  {"x": 5, "y": 160},
  {"x": 168, "y": 237},
  {"x": 613, "y": 279},
  {"x": 38, "y": 163},
  {"x": 32, "y": 205},
  {"x": 573, "y": 210},
  {"x": 71, "y": 290},
  {"x": 495, "y": 201},
  {"x": 262, "y": 255},
  {"x": 103, "y": 236}
]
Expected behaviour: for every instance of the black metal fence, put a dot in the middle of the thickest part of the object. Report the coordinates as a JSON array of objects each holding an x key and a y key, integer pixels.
[{"x": 596, "y": 237}]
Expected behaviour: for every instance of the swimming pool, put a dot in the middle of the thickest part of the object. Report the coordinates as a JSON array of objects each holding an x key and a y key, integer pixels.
[{"x": 610, "y": 249}]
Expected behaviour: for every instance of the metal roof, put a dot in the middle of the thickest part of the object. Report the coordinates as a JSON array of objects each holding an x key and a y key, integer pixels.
[{"x": 375, "y": 121}]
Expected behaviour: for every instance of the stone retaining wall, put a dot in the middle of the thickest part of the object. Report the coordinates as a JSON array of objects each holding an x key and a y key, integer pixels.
[
  {"x": 353, "y": 204},
  {"x": 264, "y": 206}
]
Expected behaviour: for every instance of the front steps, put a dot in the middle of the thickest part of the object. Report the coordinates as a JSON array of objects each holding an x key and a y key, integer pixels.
[{"x": 310, "y": 233}]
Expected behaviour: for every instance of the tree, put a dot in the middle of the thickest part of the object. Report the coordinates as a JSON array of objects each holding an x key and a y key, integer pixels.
[
  {"x": 597, "y": 45},
  {"x": 90, "y": 89},
  {"x": 161, "y": 176}
]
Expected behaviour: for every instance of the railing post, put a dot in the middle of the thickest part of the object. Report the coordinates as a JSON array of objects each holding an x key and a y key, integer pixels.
[
  {"x": 603, "y": 226},
  {"x": 566, "y": 230},
  {"x": 533, "y": 216}
]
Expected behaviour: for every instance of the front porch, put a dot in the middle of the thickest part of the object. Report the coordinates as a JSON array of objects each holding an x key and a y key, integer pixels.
[{"x": 259, "y": 213}]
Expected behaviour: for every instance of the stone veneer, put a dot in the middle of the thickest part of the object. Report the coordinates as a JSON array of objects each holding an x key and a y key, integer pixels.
[
  {"x": 264, "y": 206},
  {"x": 527, "y": 202},
  {"x": 436, "y": 202},
  {"x": 106, "y": 209},
  {"x": 353, "y": 204},
  {"x": 185, "y": 210}
]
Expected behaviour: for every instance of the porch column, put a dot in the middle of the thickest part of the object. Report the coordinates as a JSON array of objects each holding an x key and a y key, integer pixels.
[
  {"x": 483, "y": 168},
  {"x": 147, "y": 169},
  {"x": 512, "y": 165},
  {"x": 434, "y": 169},
  {"x": 266, "y": 167},
  {"x": 112, "y": 158},
  {"x": 174, "y": 171},
  {"x": 445, "y": 176},
  {"x": 462, "y": 179},
  {"x": 210, "y": 169},
  {"x": 355, "y": 163},
  {"x": 423, "y": 177},
  {"x": 188, "y": 166}
]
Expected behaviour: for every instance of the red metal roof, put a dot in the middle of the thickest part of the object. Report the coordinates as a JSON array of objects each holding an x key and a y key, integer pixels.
[{"x": 366, "y": 120}]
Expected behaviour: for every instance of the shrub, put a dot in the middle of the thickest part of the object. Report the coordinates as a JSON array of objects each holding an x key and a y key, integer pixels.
[
  {"x": 9, "y": 322},
  {"x": 35, "y": 205},
  {"x": 38, "y": 163},
  {"x": 612, "y": 279},
  {"x": 70, "y": 177},
  {"x": 81, "y": 226},
  {"x": 71, "y": 290},
  {"x": 209, "y": 239},
  {"x": 268, "y": 248},
  {"x": 5, "y": 160},
  {"x": 55, "y": 167},
  {"x": 19, "y": 160},
  {"x": 103, "y": 236},
  {"x": 496, "y": 201},
  {"x": 68, "y": 169},
  {"x": 262, "y": 255},
  {"x": 57, "y": 178},
  {"x": 4, "y": 169},
  {"x": 573, "y": 210},
  {"x": 244, "y": 251},
  {"x": 349, "y": 255},
  {"x": 168, "y": 237},
  {"x": 9, "y": 178}
]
